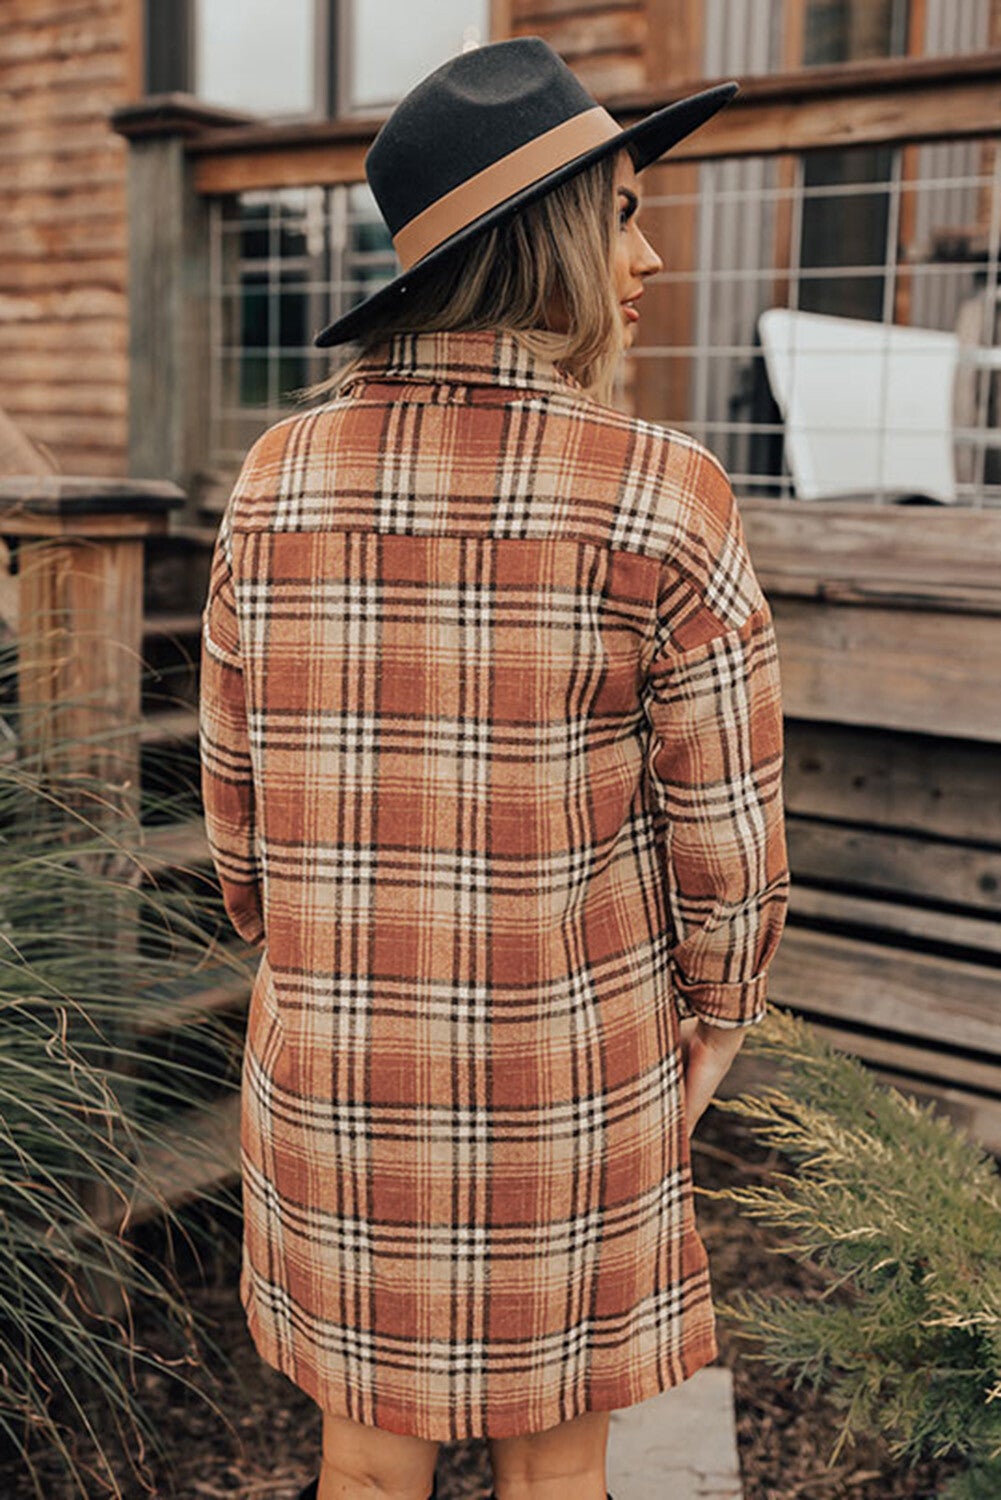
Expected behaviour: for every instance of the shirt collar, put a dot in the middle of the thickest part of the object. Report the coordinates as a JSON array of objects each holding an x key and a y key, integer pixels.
[{"x": 491, "y": 357}]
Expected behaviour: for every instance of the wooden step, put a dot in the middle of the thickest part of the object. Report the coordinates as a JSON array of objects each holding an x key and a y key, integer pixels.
[
  {"x": 934, "y": 1002},
  {"x": 900, "y": 1055},
  {"x": 175, "y": 846},
  {"x": 896, "y": 864},
  {"x": 196, "y": 535},
  {"x": 889, "y": 916},
  {"x": 210, "y": 992},
  {"x": 200, "y": 1154},
  {"x": 172, "y": 625},
  {"x": 169, "y": 726}
]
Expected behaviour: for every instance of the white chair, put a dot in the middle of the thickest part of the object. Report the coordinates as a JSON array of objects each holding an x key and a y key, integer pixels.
[{"x": 867, "y": 407}]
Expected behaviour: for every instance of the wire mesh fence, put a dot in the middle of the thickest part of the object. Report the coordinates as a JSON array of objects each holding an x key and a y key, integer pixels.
[{"x": 850, "y": 241}]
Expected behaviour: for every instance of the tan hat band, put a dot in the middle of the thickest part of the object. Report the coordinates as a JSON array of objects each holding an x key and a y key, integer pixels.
[{"x": 501, "y": 180}]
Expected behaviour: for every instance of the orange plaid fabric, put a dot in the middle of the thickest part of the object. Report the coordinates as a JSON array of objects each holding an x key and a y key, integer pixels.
[{"x": 492, "y": 758}]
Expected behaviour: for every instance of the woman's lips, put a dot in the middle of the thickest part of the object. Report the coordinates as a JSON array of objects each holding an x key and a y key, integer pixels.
[{"x": 631, "y": 312}]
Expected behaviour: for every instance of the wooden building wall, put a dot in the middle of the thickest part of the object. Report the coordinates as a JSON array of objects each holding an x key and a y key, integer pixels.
[{"x": 64, "y": 65}]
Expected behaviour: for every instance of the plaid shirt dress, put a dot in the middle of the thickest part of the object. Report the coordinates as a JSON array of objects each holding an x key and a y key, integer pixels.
[{"x": 492, "y": 756}]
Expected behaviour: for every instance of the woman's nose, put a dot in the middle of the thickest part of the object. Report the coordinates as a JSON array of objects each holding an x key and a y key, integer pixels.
[{"x": 648, "y": 262}]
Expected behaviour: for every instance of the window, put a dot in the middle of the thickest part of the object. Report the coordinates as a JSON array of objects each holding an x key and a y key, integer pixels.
[
  {"x": 304, "y": 58},
  {"x": 848, "y": 228},
  {"x": 837, "y": 31},
  {"x": 285, "y": 263},
  {"x": 258, "y": 56},
  {"x": 392, "y": 46}
]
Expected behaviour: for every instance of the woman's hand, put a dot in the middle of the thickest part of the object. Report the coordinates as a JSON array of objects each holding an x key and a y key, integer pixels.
[{"x": 706, "y": 1054}]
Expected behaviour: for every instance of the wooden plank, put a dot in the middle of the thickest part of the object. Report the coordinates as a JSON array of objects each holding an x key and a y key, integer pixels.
[
  {"x": 933, "y": 112},
  {"x": 175, "y": 625},
  {"x": 907, "y": 249},
  {"x": 90, "y": 305},
  {"x": 814, "y": 108},
  {"x": 894, "y": 918},
  {"x": 19, "y": 13},
  {"x": 58, "y": 370},
  {"x": 94, "y": 433},
  {"x": 896, "y": 863},
  {"x": 82, "y": 109},
  {"x": 42, "y": 207},
  {"x": 102, "y": 462},
  {"x": 576, "y": 37},
  {"x": 169, "y": 327},
  {"x": 52, "y": 337},
  {"x": 676, "y": 41},
  {"x": 210, "y": 995},
  {"x": 524, "y": 12},
  {"x": 945, "y": 556},
  {"x": 892, "y": 668},
  {"x": 291, "y": 167},
  {"x": 978, "y": 1114},
  {"x": 18, "y": 16},
  {"x": 51, "y": 139},
  {"x": 793, "y": 49},
  {"x": 168, "y": 726},
  {"x": 175, "y": 845},
  {"x": 901, "y": 1056},
  {"x": 94, "y": 238},
  {"x": 132, "y": 19},
  {"x": 609, "y": 73},
  {"x": 85, "y": 398},
  {"x": 937, "y": 787},
  {"x": 31, "y": 78},
  {"x": 200, "y": 1154},
  {"x": 662, "y": 387},
  {"x": 19, "y": 456},
  {"x": 887, "y": 102},
  {"x": 916, "y": 994},
  {"x": 92, "y": 35},
  {"x": 501, "y": 20},
  {"x": 904, "y": 1057},
  {"x": 78, "y": 655}
]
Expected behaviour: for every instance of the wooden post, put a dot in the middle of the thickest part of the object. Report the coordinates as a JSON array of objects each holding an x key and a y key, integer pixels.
[
  {"x": 674, "y": 56},
  {"x": 80, "y": 554},
  {"x": 169, "y": 288}
]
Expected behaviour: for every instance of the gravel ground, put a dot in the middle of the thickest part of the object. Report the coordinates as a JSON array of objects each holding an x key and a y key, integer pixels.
[{"x": 261, "y": 1441}]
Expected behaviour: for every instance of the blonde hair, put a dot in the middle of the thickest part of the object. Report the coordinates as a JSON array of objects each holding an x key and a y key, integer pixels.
[{"x": 553, "y": 253}]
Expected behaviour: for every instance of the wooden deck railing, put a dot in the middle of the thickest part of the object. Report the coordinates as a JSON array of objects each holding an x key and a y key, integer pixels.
[{"x": 857, "y": 104}]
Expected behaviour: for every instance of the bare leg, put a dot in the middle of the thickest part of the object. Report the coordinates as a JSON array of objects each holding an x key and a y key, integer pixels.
[
  {"x": 365, "y": 1463},
  {"x": 563, "y": 1463}
]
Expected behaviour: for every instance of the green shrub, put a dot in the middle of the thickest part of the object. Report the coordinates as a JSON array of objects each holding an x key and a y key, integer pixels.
[{"x": 903, "y": 1212}]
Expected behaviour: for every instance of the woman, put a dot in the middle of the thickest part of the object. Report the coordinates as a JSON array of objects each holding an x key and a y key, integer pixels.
[{"x": 492, "y": 768}]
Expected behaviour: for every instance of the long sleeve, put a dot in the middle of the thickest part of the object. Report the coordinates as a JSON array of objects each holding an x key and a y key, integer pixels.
[
  {"x": 714, "y": 759},
  {"x": 226, "y": 771}
]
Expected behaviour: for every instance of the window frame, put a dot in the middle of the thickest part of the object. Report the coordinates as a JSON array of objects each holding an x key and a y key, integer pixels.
[{"x": 333, "y": 52}]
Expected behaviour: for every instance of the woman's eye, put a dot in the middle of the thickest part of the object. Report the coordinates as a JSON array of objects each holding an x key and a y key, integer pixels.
[{"x": 628, "y": 206}]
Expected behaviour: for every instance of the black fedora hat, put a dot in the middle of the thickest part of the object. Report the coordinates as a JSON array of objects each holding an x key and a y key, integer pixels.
[{"x": 484, "y": 134}]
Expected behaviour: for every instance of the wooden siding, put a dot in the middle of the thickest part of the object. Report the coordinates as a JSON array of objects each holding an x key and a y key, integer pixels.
[
  {"x": 605, "y": 43},
  {"x": 63, "y": 234}
]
